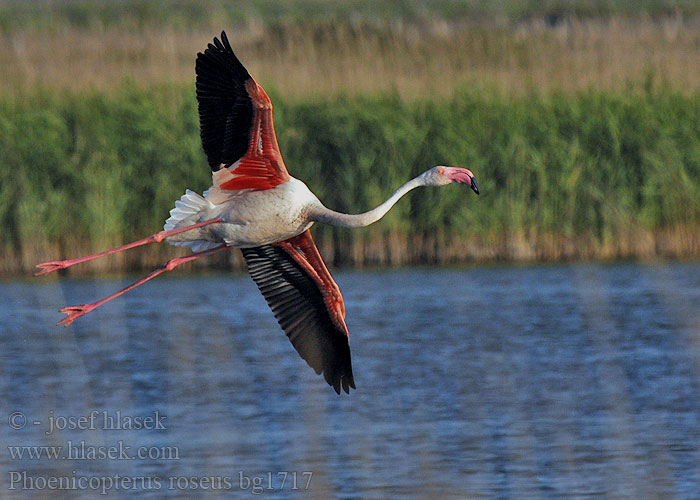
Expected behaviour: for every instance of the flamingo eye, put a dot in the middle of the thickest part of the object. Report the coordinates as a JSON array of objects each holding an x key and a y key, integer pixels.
[{"x": 441, "y": 170}]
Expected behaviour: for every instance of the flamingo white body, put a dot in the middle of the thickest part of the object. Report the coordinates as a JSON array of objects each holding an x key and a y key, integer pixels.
[
  {"x": 255, "y": 205},
  {"x": 249, "y": 218}
]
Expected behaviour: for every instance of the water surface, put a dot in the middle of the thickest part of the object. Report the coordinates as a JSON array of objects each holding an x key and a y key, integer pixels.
[{"x": 502, "y": 382}]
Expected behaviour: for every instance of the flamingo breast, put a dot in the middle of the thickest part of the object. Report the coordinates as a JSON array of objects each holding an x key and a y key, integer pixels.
[{"x": 262, "y": 217}]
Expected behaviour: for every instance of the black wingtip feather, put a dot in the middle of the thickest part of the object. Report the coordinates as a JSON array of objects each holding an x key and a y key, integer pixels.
[
  {"x": 225, "y": 41},
  {"x": 336, "y": 385}
]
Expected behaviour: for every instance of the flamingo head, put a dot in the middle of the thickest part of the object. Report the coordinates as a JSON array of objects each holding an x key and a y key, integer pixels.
[{"x": 442, "y": 176}]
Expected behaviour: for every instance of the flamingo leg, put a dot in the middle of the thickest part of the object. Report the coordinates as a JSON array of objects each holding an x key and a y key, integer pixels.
[
  {"x": 55, "y": 265},
  {"x": 74, "y": 312}
]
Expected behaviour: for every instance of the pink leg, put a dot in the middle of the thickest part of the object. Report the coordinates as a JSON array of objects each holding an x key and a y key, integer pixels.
[
  {"x": 55, "y": 265},
  {"x": 74, "y": 312}
]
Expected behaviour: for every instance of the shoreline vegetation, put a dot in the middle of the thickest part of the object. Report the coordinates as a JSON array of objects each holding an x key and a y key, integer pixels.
[
  {"x": 588, "y": 175},
  {"x": 580, "y": 120}
]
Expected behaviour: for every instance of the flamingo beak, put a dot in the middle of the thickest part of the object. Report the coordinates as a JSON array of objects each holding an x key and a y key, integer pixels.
[{"x": 474, "y": 185}]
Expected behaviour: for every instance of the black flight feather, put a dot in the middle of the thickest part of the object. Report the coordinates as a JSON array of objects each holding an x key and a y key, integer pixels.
[
  {"x": 225, "y": 108},
  {"x": 298, "y": 305}
]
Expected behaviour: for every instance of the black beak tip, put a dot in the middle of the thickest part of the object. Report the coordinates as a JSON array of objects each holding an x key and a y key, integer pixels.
[{"x": 475, "y": 186}]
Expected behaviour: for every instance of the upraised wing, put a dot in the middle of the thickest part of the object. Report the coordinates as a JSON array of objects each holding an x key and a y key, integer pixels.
[
  {"x": 307, "y": 304},
  {"x": 236, "y": 125}
]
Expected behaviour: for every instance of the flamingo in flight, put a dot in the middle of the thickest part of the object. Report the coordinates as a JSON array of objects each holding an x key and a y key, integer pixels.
[{"x": 255, "y": 205}]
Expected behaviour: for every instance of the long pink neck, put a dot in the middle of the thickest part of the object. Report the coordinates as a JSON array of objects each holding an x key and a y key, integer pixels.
[{"x": 327, "y": 216}]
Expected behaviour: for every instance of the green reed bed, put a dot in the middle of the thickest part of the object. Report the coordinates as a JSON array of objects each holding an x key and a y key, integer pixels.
[{"x": 584, "y": 175}]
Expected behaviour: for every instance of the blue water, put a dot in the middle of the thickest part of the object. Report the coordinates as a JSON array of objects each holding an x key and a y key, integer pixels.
[{"x": 570, "y": 381}]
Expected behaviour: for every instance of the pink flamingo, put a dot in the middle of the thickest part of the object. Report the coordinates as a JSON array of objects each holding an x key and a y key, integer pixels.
[{"x": 255, "y": 205}]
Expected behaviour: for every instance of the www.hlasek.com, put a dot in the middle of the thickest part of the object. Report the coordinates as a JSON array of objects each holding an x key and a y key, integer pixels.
[
  {"x": 82, "y": 450},
  {"x": 255, "y": 484}
]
